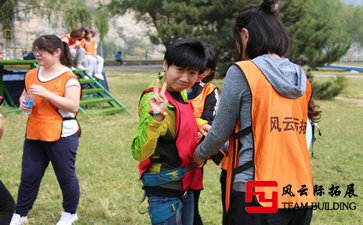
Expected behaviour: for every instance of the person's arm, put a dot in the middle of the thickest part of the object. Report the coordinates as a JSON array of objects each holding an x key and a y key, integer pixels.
[
  {"x": 95, "y": 46},
  {"x": 227, "y": 115},
  {"x": 149, "y": 130},
  {"x": 68, "y": 103}
]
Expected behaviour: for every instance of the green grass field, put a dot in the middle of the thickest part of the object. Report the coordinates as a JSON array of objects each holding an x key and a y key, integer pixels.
[{"x": 108, "y": 175}]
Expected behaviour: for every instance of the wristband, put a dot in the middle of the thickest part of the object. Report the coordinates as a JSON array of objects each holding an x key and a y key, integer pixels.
[{"x": 161, "y": 112}]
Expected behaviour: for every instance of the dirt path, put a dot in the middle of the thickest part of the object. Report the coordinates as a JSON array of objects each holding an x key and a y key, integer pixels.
[{"x": 356, "y": 101}]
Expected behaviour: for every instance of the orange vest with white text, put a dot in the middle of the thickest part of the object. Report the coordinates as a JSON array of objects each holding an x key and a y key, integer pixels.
[
  {"x": 280, "y": 149},
  {"x": 45, "y": 122}
]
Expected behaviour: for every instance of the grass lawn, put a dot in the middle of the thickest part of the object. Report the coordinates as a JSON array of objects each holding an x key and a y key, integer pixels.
[{"x": 108, "y": 175}]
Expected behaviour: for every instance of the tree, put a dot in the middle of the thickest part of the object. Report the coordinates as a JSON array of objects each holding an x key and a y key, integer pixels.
[
  {"x": 316, "y": 31},
  {"x": 207, "y": 20},
  {"x": 315, "y": 40},
  {"x": 354, "y": 17},
  {"x": 75, "y": 14}
]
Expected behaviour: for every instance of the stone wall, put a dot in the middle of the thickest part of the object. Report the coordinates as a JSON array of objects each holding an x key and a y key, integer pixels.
[{"x": 28, "y": 26}]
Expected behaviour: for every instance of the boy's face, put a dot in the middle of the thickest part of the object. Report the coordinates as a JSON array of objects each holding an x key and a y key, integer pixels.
[{"x": 178, "y": 78}]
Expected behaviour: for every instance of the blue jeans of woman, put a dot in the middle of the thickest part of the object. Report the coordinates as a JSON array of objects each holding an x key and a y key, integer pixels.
[{"x": 184, "y": 214}]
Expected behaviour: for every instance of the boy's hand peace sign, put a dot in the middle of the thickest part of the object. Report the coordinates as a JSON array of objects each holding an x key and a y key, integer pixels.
[{"x": 158, "y": 102}]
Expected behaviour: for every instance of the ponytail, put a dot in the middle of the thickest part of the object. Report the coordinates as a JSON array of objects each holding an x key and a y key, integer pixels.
[
  {"x": 270, "y": 6},
  {"x": 313, "y": 111},
  {"x": 66, "y": 57}
]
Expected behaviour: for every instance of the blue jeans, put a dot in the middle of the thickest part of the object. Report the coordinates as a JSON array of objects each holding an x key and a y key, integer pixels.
[{"x": 184, "y": 214}]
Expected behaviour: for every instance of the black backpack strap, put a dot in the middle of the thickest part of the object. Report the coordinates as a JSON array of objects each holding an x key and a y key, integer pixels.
[
  {"x": 248, "y": 164},
  {"x": 69, "y": 118},
  {"x": 243, "y": 167},
  {"x": 243, "y": 132}
]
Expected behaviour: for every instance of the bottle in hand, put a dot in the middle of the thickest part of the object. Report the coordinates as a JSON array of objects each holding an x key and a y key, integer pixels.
[{"x": 29, "y": 102}]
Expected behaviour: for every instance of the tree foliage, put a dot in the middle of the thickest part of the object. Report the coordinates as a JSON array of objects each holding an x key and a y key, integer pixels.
[
  {"x": 316, "y": 31},
  {"x": 354, "y": 17},
  {"x": 312, "y": 25},
  {"x": 206, "y": 20},
  {"x": 74, "y": 13}
]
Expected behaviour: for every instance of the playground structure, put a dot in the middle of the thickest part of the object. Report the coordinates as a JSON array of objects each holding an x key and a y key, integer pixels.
[
  {"x": 94, "y": 94},
  {"x": 13, "y": 44}
]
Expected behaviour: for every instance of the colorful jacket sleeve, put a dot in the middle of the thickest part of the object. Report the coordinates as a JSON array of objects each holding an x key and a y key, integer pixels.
[{"x": 148, "y": 131}]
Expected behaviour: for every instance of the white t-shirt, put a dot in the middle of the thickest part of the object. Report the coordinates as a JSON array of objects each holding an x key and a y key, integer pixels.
[{"x": 70, "y": 127}]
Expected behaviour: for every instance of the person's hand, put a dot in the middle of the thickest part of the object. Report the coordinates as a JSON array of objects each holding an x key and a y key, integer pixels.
[
  {"x": 159, "y": 102},
  {"x": 77, "y": 45},
  {"x": 22, "y": 105},
  {"x": 197, "y": 160},
  {"x": 200, "y": 136},
  {"x": 39, "y": 90},
  {"x": 204, "y": 129}
]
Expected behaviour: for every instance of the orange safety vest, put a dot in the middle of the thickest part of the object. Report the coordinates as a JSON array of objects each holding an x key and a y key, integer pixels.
[
  {"x": 199, "y": 101},
  {"x": 90, "y": 46},
  {"x": 198, "y": 105},
  {"x": 45, "y": 122},
  {"x": 280, "y": 150}
]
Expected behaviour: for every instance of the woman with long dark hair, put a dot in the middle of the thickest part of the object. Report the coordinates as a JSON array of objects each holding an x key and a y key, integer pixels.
[{"x": 267, "y": 98}]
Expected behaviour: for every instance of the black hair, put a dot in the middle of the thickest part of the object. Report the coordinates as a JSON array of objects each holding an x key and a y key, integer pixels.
[
  {"x": 211, "y": 56},
  {"x": 186, "y": 53},
  {"x": 51, "y": 43},
  {"x": 266, "y": 31},
  {"x": 313, "y": 111},
  {"x": 77, "y": 33}
]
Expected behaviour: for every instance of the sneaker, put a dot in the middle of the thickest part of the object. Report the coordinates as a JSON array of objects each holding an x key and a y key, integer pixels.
[
  {"x": 18, "y": 220},
  {"x": 80, "y": 67},
  {"x": 67, "y": 219},
  {"x": 99, "y": 76}
]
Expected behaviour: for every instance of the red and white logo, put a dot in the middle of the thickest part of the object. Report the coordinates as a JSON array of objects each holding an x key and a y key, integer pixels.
[{"x": 261, "y": 197}]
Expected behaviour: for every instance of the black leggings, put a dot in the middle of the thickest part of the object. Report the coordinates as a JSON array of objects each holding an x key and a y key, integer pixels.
[
  {"x": 222, "y": 180},
  {"x": 238, "y": 216},
  {"x": 7, "y": 205},
  {"x": 197, "y": 218}
]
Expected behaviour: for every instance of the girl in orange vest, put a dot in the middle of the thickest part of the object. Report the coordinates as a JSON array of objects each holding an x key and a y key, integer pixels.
[
  {"x": 90, "y": 45},
  {"x": 267, "y": 99},
  {"x": 52, "y": 130},
  {"x": 204, "y": 98}
]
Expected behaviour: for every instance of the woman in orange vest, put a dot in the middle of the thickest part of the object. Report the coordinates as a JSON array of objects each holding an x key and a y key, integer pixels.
[
  {"x": 89, "y": 43},
  {"x": 204, "y": 98},
  {"x": 52, "y": 130},
  {"x": 263, "y": 111}
]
